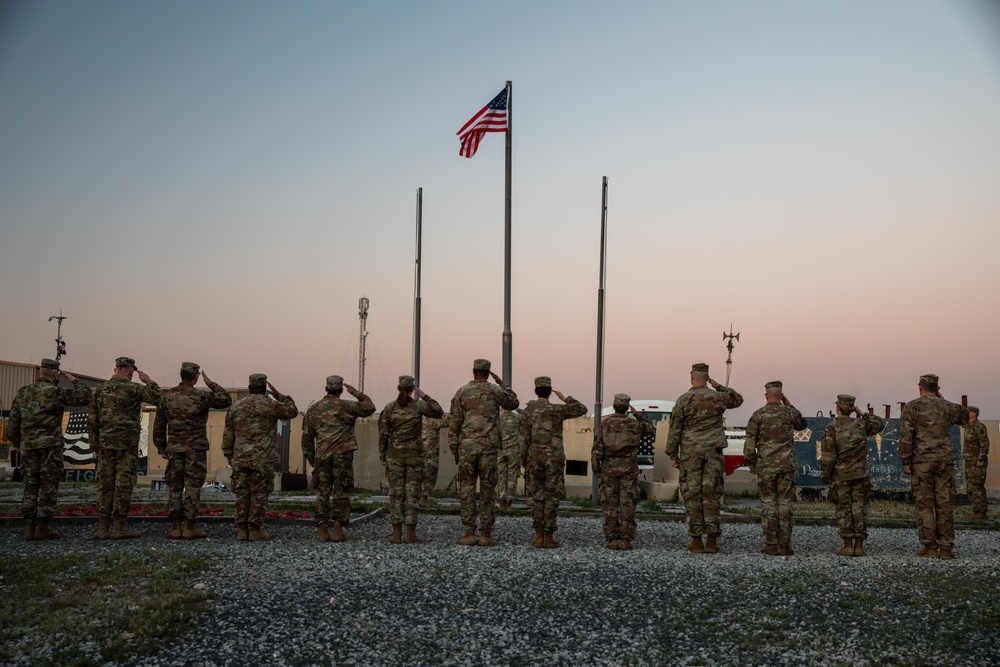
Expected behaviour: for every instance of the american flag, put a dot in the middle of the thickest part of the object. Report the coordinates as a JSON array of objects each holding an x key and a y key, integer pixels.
[
  {"x": 76, "y": 440},
  {"x": 491, "y": 118}
]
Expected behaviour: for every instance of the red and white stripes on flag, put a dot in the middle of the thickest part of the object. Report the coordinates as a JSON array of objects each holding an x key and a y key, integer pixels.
[{"x": 491, "y": 118}]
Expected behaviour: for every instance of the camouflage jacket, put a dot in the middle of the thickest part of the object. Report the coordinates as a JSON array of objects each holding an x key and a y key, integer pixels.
[
  {"x": 432, "y": 431},
  {"x": 616, "y": 447},
  {"x": 182, "y": 415},
  {"x": 251, "y": 435},
  {"x": 510, "y": 431},
  {"x": 770, "y": 439},
  {"x": 36, "y": 414},
  {"x": 542, "y": 428},
  {"x": 328, "y": 427},
  {"x": 115, "y": 420},
  {"x": 844, "y": 448},
  {"x": 475, "y": 414},
  {"x": 400, "y": 426},
  {"x": 696, "y": 421},
  {"x": 925, "y": 429},
  {"x": 977, "y": 442}
]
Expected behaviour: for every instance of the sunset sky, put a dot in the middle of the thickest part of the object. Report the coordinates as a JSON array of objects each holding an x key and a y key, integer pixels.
[{"x": 221, "y": 182}]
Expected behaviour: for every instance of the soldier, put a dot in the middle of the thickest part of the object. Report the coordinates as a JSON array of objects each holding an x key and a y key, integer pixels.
[
  {"x": 615, "y": 459},
  {"x": 769, "y": 451},
  {"x": 179, "y": 436},
  {"x": 975, "y": 455},
  {"x": 694, "y": 444},
  {"x": 474, "y": 439},
  {"x": 250, "y": 444},
  {"x": 927, "y": 453},
  {"x": 844, "y": 468},
  {"x": 400, "y": 449},
  {"x": 509, "y": 457},
  {"x": 35, "y": 429},
  {"x": 432, "y": 456},
  {"x": 115, "y": 426},
  {"x": 328, "y": 443},
  {"x": 544, "y": 457}
]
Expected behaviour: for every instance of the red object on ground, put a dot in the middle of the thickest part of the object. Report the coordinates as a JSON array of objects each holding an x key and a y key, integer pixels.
[{"x": 732, "y": 463}]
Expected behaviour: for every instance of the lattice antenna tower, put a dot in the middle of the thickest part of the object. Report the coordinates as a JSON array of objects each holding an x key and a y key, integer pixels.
[{"x": 363, "y": 316}]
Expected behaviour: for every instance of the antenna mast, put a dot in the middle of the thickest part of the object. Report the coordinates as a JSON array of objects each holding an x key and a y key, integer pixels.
[
  {"x": 60, "y": 343},
  {"x": 363, "y": 316},
  {"x": 729, "y": 346}
]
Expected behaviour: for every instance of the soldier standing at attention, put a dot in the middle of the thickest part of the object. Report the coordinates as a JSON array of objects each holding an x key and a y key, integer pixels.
[
  {"x": 250, "y": 442},
  {"x": 432, "y": 456},
  {"x": 115, "y": 426},
  {"x": 769, "y": 451},
  {"x": 509, "y": 457},
  {"x": 544, "y": 457},
  {"x": 975, "y": 456},
  {"x": 328, "y": 443},
  {"x": 474, "y": 439},
  {"x": 927, "y": 453},
  {"x": 615, "y": 459},
  {"x": 844, "y": 468},
  {"x": 400, "y": 449},
  {"x": 35, "y": 429},
  {"x": 695, "y": 442},
  {"x": 179, "y": 436}
]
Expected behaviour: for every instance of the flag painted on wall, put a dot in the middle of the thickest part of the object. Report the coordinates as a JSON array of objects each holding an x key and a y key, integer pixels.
[
  {"x": 76, "y": 440},
  {"x": 491, "y": 118}
]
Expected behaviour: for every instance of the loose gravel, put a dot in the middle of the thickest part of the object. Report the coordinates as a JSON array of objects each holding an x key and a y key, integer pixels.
[{"x": 297, "y": 601}]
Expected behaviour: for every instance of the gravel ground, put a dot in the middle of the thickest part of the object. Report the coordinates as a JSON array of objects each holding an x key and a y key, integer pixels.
[{"x": 296, "y": 601}]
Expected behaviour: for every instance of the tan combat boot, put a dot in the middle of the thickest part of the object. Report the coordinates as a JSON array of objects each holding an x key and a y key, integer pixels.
[
  {"x": 859, "y": 548},
  {"x": 338, "y": 534},
  {"x": 397, "y": 534},
  {"x": 425, "y": 501},
  {"x": 469, "y": 539},
  {"x": 945, "y": 552},
  {"x": 710, "y": 545},
  {"x": 979, "y": 516},
  {"x": 928, "y": 552},
  {"x": 783, "y": 549},
  {"x": 612, "y": 544},
  {"x": 242, "y": 532},
  {"x": 847, "y": 549},
  {"x": 769, "y": 549},
  {"x": 324, "y": 531},
  {"x": 625, "y": 544},
  {"x": 175, "y": 530},
  {"x": 258, "y": 535},
  {"x": 120, "y": 532},
  {"x": 549, "y": 542},
  {"x": 29, "y": 530},
  {"x": 695, "y": 546},
  {"x": 486, "y": 540},
  {"x": 190, "y": 533},
  {"x": 43, "y": 532},
  {"x": 411, "y": 534},
  {"x": 103, "y": 527},
  {"x": 539, "y": 539}
]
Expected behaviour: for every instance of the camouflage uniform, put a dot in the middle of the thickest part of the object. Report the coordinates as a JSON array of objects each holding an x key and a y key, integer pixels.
[
  {"x": 925, "y": 444},
  {"x": 975, "y": 451},
  {"x": 695, "y": 441},
  {"x": 844, "y": 467},
  {"x": 400, "y": 449},
  {"x": 115, "y": 424},
  {"x": 432, "y": 452},
  {"x": 509, "y": 457},
  {"x": 474, "y": 439},
  {"x": 35, "y": 426},
  {"x": 615, "y": 459},
  {"x": 250, "y": 443},
  {"x": 543, "y": 454},
  {"x": 769, "y": 450},
  {"x": 179, "y": 436}
]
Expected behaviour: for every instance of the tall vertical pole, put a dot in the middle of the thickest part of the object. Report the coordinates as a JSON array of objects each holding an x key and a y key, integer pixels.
[
  {"x": 60, "y": 344},
  {"x": 362, "y": 337},
  {"x": 507, "y": 335},
  {"x": 416, "y": 289},
  {"x": 599, "y": 384}
]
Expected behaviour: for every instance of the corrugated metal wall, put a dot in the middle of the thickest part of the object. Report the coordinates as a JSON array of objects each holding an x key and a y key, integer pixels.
[{"x": 13, "y": 377}]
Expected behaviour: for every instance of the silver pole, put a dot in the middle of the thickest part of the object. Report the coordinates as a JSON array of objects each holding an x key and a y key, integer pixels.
[
  {"x": 599, "y": 391},
  {"x": 416, "y": 289},
  {"x": 507, "y": 335}
]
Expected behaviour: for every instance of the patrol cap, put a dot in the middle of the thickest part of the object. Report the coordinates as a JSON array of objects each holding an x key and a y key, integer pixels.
[
  {"x": 699, "y": 368},
  {"x": 929, "y": 380},
  {"x": 773, "y": 383},
  {"x": 50, "y": 363},
  {"x": 846, "y": 400},
  {"x": 407, "y": 381},
  {"x": 622, "y": 400},
  {"x": 334, "y": 382},
  {"x": 258, "y": 378},
  {"x": 481, "y": 365},
  {"x": 543, "y": 381},
  {"x": 124, "y": 362},
  {"x": 190, "y": 367},
  {"x": 973, "y": 408}
]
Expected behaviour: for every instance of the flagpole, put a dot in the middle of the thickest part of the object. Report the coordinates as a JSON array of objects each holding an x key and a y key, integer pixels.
[
  {"x": 599, "y": 384},
  {"x": 507, "y": 335},
  {"x": 416, "y": 289}
]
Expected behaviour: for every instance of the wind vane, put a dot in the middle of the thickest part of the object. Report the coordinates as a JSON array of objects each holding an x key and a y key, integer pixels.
[
  {"x": 60, "y": 343},
  {"x": 729, "y": 346}
]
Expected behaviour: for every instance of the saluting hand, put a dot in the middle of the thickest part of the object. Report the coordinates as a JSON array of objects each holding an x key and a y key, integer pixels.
[
  {"x": 496, "y": 378},
  {"x": 419, "y": 392},
  {"x": 142, "y": 376},
  {"x": 559, "y": 394},
  {"x": 784, "y": 400},
  {"x": 350, "y": 389},
  {"x": 205, "y": 377},
  {"x": 277, "y": 394},
  {"x": 68, "y": 376}
]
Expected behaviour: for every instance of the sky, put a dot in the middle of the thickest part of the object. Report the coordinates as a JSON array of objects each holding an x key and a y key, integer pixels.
[{"x": 221, "y": 182}]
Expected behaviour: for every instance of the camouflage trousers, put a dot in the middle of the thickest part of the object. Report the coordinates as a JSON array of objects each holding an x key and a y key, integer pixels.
[
  {"x": 477, "y": 466},
  {"x": 334, "y": 477},
  {"x": 405, "y": 474},
  {"x": 432, "y": 461},
  {"x": 975, "y": 485},
  {"x": 850, "y": 499},
  {"x": 776, "y": 491},
  {"x": 42, "y": 470},
  {"x": 116, "y": 470},
  {"x": 548, "y": 482},
  {"x": 508, "y": 470},
  {"x": 252, "y": 484},
  {"x": 618, "y": 498},
  {"x": 185, "y": 474},
  {"x": 934, "y": 499},
  {"x": 701, "y": 482}
]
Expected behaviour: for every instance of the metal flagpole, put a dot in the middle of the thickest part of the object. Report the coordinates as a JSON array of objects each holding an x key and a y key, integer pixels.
[
  {"x": 595, "y": 494},
  {"x": 729, "y": 346},
  {"x": 416, "y": 289},
  {"x": 507, "y": 335}
]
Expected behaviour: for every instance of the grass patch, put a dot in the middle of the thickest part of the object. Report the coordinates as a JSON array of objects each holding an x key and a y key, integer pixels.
[{"x": 79, "y": 610}]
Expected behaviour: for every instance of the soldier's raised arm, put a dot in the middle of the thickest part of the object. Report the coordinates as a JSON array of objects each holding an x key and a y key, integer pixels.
[
  {"x": 219, "y": 399},
  {"x": 505, "y": 395},
  {"x": 646, "y": 427},
  {"x": 286, "y": 406},
  {"x": 573, "y": 407},
  {"x": 364, "y": 407},
  {"x": 150, "y": 391},
  {"x": 873, "y": 423},
  {"x": 428, "y": 406},
  {"x": 79, "y": 395}
]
